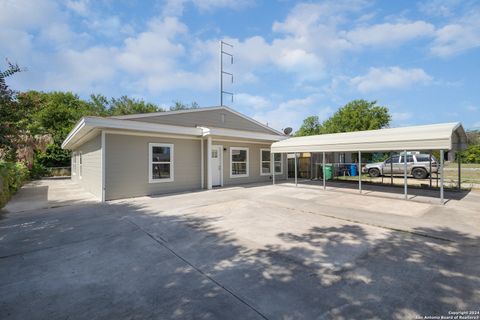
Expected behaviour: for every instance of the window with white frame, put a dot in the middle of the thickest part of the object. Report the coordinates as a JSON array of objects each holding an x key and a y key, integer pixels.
[
  {"x": 80, "y": 165},
  {"x": 238, "y": 162},
  {"x": 74, "y": 163},
  {"x": 265, "y": 162},
  {"x": 160, "y": 162}
]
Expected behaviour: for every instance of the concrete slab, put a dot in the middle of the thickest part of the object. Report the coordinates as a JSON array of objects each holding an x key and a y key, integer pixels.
[
  {"x": 48, "y": 193},
  {"x": 251, "y": 252}
]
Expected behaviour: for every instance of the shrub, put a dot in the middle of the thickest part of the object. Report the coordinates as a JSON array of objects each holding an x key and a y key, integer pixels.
[{"x": 12, "y": 177}]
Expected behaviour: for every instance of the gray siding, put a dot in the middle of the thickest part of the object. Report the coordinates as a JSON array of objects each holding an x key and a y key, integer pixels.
[
  {"x": 91, "y": 178},
  {"x": 254, "y": 163},
  {"x": 126, "y": 163},
  {"x": 207, "y": 118}
]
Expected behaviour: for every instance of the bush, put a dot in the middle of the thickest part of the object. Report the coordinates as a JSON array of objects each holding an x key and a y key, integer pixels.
[
  {"x": 472, "y": 154},
  {"x": 12, "y": 177}
]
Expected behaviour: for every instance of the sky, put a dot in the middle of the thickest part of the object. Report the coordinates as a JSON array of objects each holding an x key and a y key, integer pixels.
[{"x": 292, "y": 59}]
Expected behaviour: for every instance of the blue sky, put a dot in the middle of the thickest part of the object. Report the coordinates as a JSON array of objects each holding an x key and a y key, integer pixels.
[{"x": 292, "y": 59}]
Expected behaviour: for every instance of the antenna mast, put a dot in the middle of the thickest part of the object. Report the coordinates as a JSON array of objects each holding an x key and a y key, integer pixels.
[{"x": 222, "y": 52}]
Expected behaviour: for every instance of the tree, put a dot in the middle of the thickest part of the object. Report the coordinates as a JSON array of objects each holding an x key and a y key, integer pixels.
[
  {"x": 125, "y": 105},
  {"x": 310, "y": 126},
  {"x": 178, "y": 105},
  {"x": 356, "y": 115},
  {"x": 10, "y": 114}
]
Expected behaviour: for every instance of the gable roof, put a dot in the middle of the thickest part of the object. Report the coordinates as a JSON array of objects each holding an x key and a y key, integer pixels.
[
  {"x": 446, "y": 136},
  {"x": 148, "y": 117}
]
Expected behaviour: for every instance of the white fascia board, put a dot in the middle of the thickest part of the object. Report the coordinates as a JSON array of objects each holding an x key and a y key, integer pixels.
[
  {"x": 80, "y": 125},
  {"x": 88, "y": 123},
  {"x": 241, "y": 134}
]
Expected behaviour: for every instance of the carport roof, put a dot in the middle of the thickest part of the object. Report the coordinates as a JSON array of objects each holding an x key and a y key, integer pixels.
[{"x": 443, "y": 136}]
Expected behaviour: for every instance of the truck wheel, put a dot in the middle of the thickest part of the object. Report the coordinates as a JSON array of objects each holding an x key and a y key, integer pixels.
[
  {"x": 374, "y": 172},
  {"x": 419, "y": 173}
]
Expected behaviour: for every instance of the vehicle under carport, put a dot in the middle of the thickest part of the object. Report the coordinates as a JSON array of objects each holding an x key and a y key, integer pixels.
[{"x": 443, "y": 137}]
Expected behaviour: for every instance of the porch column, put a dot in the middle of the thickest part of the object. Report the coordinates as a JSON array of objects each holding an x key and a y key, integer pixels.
[
  {"x": 202, "y": 165},
  {"x": 296, "y": 181},
  {"x": 323, "y": 171},
  {"x": 272, "y": 166},
  {"x": 360, "y": 171},
  {"x": 459, "y": 159},
  {"x": 405, "y": 174},
  {"x": 441, "y": 176},
  {"x": 209, "y": 162}
]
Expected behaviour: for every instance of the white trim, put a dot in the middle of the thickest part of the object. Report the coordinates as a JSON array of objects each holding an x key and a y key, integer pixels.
[
  {"x": 202, "y": 165},
  {"x": 247, "y": 163},
  {"x": 209, "y": 163},
  {"x": 265, "y": 143},
  {"x": 150, "y": 162},
  {"x": 213, "y": 131},
  {"x": 103, "y": 166},
  {"x": 220, "y": 154},
  {"x": 261, "y": 162},
  {"x": 146, "y": 134}
]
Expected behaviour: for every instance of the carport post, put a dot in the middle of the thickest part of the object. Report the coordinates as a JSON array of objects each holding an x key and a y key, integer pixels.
[
  {"x": 272, "y": 166},
  {"x": 296, "y": 182},
  {"x": 360, "y": 171},
  {"x": 441, "y": 176},
  {"x": 391, "y": 168},
  {"x": 405, "y": 173},
  {"x": 430, "y": 172},
  {"x": 323, "y": 171}
]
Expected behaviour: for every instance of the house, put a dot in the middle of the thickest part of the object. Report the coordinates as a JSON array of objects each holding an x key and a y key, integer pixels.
[{"x": 166, "y": 152}]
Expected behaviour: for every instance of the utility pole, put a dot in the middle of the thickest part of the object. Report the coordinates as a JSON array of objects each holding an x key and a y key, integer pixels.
[{"x": 222, "y": 72}]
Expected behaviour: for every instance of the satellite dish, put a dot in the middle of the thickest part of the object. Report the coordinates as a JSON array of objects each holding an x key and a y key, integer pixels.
[{"x": 287, "y": 130}]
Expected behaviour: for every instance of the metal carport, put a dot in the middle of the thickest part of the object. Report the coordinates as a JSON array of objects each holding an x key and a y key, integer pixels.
[{"x": 442, "y": 137}]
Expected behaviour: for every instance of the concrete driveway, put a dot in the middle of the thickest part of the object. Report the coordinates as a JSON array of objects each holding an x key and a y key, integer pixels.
[{"x": 253, "y": 252}]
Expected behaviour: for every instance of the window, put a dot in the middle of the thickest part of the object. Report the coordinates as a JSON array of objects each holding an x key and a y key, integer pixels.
[
  {"x": 423, "y": 158},
  {"x": 74, "y": 163},
  {"x": 80, "y": 171},
  {"x": 265, "y": 162},
  {"x": 238, "y": 162},
  {"x": 393, "y": 159},
  {"x": 409, "y": 158},
  {"x": 160, "y": 162}
]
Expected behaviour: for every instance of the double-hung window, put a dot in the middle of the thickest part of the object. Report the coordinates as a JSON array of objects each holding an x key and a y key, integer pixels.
[
  {"x": 238, "y": 162},
  {"x": 265, "y": 163},
  {"x": 160, "y": 162}
]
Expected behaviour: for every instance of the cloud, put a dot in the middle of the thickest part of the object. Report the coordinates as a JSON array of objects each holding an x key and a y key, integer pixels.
[
  {"x": 389, "y": 78},
  {"x": 292, "y": 112},
  {"x": 176, "y": 7},
  {"x": 80, "y": 7},
  {"x": 389, "y": 34},
  {"x": 251, "y": 101},
  {"x": 401, "y": 116},
  {"x": 472, "y": 108},
  {"x": 458, "y": 36}
]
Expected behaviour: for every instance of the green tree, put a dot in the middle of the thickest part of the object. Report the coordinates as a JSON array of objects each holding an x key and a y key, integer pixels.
[
  {"x": 178, "y": 105},
  {"x": 310, "y": 126},
  {"x": 356, "y": 115},
  {"x": 125, "y": 105},
  {"x": 10, "y": 114}
]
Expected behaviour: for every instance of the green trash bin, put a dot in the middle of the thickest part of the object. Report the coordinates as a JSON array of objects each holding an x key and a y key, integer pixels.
[{"x": 328, "y": 171}]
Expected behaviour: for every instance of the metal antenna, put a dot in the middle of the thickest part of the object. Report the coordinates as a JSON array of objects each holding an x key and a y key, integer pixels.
[{"x": 222, "y": 52}]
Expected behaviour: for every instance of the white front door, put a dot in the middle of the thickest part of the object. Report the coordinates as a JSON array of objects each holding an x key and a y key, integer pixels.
[{"x": 217, "y": 166}]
